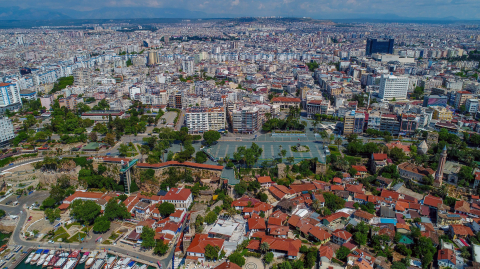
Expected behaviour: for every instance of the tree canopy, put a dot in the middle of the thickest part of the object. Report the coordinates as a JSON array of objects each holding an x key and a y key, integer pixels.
[
  {"x": 85, "y": 211},
  {"x": 166, "y": 209},
  {"x": 210, "y": 137}
]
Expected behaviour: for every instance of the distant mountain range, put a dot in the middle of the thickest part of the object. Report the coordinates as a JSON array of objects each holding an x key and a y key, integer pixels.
[{"x": 17, "y": 13}]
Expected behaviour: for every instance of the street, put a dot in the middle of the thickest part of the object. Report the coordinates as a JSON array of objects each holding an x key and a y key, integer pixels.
[{"x": 39, "y": 196}]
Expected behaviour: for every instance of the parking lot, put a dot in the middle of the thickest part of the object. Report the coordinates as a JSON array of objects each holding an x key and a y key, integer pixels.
[{"x": 28, "y": 200}]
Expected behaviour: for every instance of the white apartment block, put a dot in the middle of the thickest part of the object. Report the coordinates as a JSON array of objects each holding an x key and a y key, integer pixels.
[
  {"x": 6, "y": 130},
  {"x": 132, "y": 91},
  {"x": 201, "y": 119},
  {"x": 393, "y": 87},
  {"x": 471, "y": 106}
]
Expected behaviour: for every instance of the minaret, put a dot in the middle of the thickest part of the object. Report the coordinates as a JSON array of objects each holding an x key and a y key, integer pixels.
[{"x": 441, "y": 165}]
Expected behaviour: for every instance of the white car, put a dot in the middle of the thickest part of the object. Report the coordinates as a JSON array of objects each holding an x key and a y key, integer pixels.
[{"x": 50, "y": 241}]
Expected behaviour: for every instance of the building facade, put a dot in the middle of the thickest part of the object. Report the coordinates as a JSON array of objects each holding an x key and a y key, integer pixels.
[{"x": 393, "y": 87}]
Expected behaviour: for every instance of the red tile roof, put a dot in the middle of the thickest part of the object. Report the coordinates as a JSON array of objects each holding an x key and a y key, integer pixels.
[
  {"x": 256, "y": 224},
  {"x": 432, "y": 201},
  {"x": 462, "y": 230},
  {"x": 447, "y": 254},
  {"x": 359, "y": 168},
  {"x": 181, "y": 194},
  {"x": 390, "y": 194},
  {"x": 286, "y": 99},
  {"x": 201, "y": 241},
  {"x": 342, "y": 234},
  {"x": 326, "y": 251},
  {"x": 320, "y": 234},
  {"x": 82, "y": 194},
  {"x": 297, "y": 188},
  {"x": 265, "y": 179},
  {"x": 380, "y": 156},
  {"x": 291, "y": 246},
  {"x": 228, "y": 265}
]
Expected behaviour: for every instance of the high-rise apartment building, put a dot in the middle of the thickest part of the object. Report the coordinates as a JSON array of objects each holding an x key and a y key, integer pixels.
[
  {"x": 245, "y": 120},
  {"x": 152, "y": 57},
  {"x": 201, "y": 119},
  {"x": 390, "y": 123},
  {"x": 81, "y": 77},
  {"x": 461, "y": 98},
  {"x": 6, "y": 130},
  {"x": 471, "y": 106},
  {"x": 379, "y": 46},
  {"x": 9, "y": 97},
  {"x": 348, "y": 123},
  {"x": 393, "y": 87},
  {"x": 187, "y": 67}
]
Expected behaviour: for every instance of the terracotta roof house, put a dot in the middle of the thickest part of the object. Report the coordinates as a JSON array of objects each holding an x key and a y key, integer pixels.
[
  {"x": 283, "y": 247},
  {"x": 280, "y": 192},
  {"x": 390, "y": 195},
  {"x": 265, "y": 181},
  {"x": 462, "y": 207},
  {"x": 352, "y": 189},
  {"x": 228, "y": 265},
  {"x": 196, "y": 250},
  {"x": 432, "y": 201},
  {"x": 299, "y": 188},
  {"x": 378, "y": 161},
  {"x": 363, "y": 216},
  {"x": 341, "y": 236},
  {"x": 278, "y": 230},
  {"x": 256, "y": 224},
  {"x": 403, "y": 228},
  {"x": 446, "y": 258},
  {"x": 460, "y": 231},
  {"x": 182, "y": 198},
  {"x": 398, "y": 144},
  {"x": 320, "y": 235},
  {"x": 244, "y": 201},
  {"x": 384, "y": 182},
  {"x": 361, "y": 171},
  {"x": 335, "y": 218},
  {"x": 411, "y": 171},
  {"x": 325, "y": 253}
]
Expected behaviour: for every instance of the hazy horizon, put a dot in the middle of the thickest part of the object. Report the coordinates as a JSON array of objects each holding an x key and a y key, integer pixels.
[{"x": 316, "y": 9}]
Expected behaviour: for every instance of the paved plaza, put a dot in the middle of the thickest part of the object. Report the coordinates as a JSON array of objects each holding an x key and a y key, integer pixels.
[{"x": 270, "y": 144}]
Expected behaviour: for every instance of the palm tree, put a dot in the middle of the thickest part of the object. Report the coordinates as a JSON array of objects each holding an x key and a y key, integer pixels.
[
  {"x": 316, "y": 205},
  {"x": 315, "y": 124},
  {"x": 268, "y": 115},
  {"x": 338, "y": 142},
  {"x": 264, "y": 247},
  {"x": 144, "y": 151}
]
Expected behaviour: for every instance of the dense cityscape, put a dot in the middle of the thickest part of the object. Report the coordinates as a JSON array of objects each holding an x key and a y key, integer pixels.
[{"x": 240, "y": 143}]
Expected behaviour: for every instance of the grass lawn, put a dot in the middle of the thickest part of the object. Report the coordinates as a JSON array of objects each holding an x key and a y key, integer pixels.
[
  {"x": 294, "y": 149},
  {"x": 71, "y": 224},
  {"x": 113, "y": 236},
  {"x": 60, "y": 233},
  {"x": 4, "y": 238},
  {"x": 107, "y": 242},
  {"x": 333, "y": 148},
  {"x": 352, "y": 160},
  {"x": 77, "y": 237}
]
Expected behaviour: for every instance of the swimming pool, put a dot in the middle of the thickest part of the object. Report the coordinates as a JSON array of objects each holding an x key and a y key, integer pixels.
[{"x": 392, "y": 221}]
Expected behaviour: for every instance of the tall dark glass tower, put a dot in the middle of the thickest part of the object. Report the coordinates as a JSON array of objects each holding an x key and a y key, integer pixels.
[{"x": 379, "y": 46}]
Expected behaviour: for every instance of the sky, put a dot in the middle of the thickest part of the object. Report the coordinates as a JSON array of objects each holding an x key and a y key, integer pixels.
[{"x": 318, "y": 9}]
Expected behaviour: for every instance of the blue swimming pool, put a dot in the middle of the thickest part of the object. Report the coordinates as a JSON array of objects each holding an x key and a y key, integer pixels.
[{"x": 392, "y": 221}]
